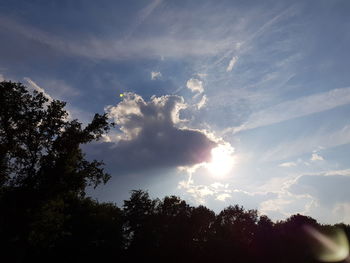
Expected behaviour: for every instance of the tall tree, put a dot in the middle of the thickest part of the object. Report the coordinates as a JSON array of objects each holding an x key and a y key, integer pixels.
[
  {"x": 235, "y": 230},
  {"x": 39, "y": 144},
  {"x": 140, "y": 225},
  {"x": 42, "y": 168}
]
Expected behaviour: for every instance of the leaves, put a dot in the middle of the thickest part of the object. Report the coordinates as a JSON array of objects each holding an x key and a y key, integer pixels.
[{"x": 40, "y": 146}]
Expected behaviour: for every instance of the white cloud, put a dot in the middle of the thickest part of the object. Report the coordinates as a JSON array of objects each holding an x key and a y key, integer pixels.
[
  {"x": 345, "y": 172},
  {"x": 316, "y": 157},
  {"x": 217, "y": 185},
  {"x": 195, "y": 85},
  {"x": 297, "y": 108},
  {"x": 2, "y": 77},
  {"x": 232, "y": 63},
  {"x": 223, "y": 197},
  {"x": 156, "y": 75},
  {"x": 222, "y": 192},
  {"x": 202, "y": 75},
  {"x": 286, "y": 204},
  {"x": 197, "y": 192},
  {"x": 288, "y": 164},
  {"x": 36, "y": 87},
  {"x": 238, "y": 45},
  {"x": 202, "y": 102}
]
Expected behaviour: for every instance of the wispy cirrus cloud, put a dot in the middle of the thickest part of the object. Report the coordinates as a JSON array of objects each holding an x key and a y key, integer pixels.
[
  {"x": 36, "y": 87},
  {"x": 306, "y": 144},
  {"x": 296, "y": 108},
  {"x": 53, "y": 88},
  {"x": 143, "y": 14},
  {"x": 56, "y": 89},
  {"x": 109, "y": 48},
  {"x": 170, "y": 32}
]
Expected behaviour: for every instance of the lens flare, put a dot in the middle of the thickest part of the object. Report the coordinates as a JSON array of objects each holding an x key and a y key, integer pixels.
[{"x": 330, "y": 247}]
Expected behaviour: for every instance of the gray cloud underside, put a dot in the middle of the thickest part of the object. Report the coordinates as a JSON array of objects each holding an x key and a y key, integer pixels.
[
  {"x": 151, "y": 139},
  {"x": 177, "y": 148}
]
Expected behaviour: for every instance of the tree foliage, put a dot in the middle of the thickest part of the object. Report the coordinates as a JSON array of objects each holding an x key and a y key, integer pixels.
[
  {"x": 37, "y": 139},
  {"x": 42, "y": 168}
]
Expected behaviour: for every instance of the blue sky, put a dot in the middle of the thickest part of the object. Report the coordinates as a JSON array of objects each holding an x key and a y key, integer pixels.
[{"x": 265, "y": 83}]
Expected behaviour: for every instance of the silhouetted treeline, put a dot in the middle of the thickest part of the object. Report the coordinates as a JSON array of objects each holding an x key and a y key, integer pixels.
[{"x": 45, "y": 215}]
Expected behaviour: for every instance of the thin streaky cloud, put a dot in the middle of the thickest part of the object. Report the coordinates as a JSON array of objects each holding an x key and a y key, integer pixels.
[
  {"x": 241, "y": 47},
  {"x": 290, "y": 11},
  {"x": 307, "y": 144},
  {"x": 36, "y": 87},
  {"x": 296, "y": 108},
  {"x": 148, "y": 10},
  {"x": 94, "y": 47},
  {"x": 232, "y": 63},
  {"x": 142, "y": 16},
  {"x": 202, "y": 102},
  {"x": 178, "y": 90},
  {"x": 73, "y": 112}
]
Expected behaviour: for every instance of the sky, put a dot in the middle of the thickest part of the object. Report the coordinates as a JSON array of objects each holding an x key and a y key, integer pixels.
[{"x": 218, "y": 102}]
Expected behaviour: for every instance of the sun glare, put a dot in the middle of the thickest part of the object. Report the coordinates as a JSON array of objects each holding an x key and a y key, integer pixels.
[{"x": 221, "y": 160}]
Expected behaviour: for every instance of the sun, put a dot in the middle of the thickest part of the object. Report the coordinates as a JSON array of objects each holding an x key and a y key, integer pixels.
[{"x": 222, "y": 160}]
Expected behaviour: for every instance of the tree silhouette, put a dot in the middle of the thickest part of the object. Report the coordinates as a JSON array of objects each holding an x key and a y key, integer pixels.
[
  {"x": 202, "y": 231},
  {"x": 37, "y": 138},
  {"x": 42, "y": 169},
  {"x": 140, "y": 227},
  {"x": 235, "y": 229}
]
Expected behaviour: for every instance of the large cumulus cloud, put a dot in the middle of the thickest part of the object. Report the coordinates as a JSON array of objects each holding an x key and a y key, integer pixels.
[{"x": 151, "y": 135}]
